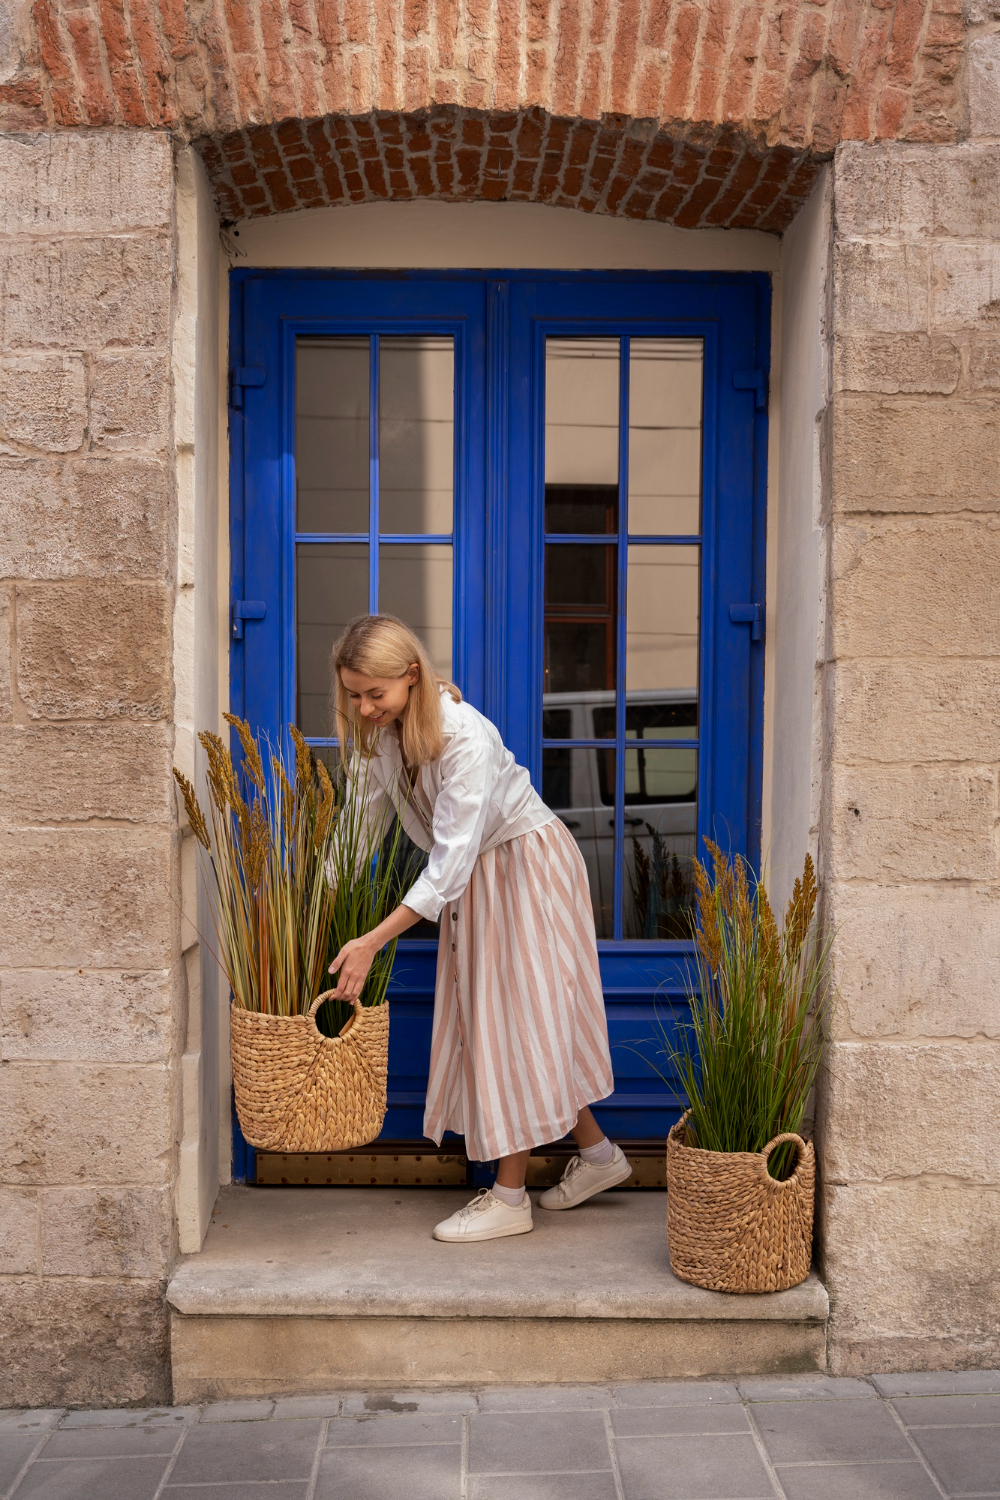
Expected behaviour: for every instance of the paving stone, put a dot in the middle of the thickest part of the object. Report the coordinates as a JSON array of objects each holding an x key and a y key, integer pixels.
[
  {"x": 692, "y": 1468},
  {"x": 965, "y": 1460},
  {"x": 98, "y": 1479},
  {"x": 829, "y": 1432},
  {"x": 543, "y": 1487},
  {"x": 238, "y": 1411},
  {"x": 537, "y": 1442},
  {"x": 425, "y": 1473},
  {"x": 282, "y": 1489},
  {"x": 31, "y": 1419},
  {"x": 806, "y": 1388},
  {"x": 14, "y": 1451},
  {"x": 857, "y": 1482},
  {"x": 676, "y": 1393},
  {"x": 362, "y": 1403},
  {"x": 661, "y": 1421},
  {"x": 938, "y": 1383},
  {"x": 152, "y": 1416},
  {"x": 291, "y": 1407},
  {"x": 111, "y": 1442},
  {"x": 223, "y": 1453},
  {"x": 949, "y": 1411},
  {"x": 545, "y": 1398},
  {"x": 407, "y": 1429}
]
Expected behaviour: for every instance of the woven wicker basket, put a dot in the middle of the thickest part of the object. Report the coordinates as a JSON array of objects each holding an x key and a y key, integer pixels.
[
  {"x": 730, "y": 1226},
  {"x": 297, "y": 1090}
]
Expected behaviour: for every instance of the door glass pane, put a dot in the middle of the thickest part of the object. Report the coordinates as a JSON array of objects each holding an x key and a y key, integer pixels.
[
  {"x": 575, "y": 785},
  {"x": 664, "y": 436},
  {"x": 661, "y": 653},
  {"x": 660, "y": 839},
  {"x": 581, "y": 435},
  {"x": 415, "y": 584},
  {"x": 331, "y": 587},
  {"x": 580, "y": 618},
  {"x": 416, "y": 433},
  {"x": 331, "y": 434}
]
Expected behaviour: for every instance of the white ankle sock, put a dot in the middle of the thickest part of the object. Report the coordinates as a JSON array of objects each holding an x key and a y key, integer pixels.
[
  {"x": 513, "y": 1197},
  {"x": 600, "y": 1155}
]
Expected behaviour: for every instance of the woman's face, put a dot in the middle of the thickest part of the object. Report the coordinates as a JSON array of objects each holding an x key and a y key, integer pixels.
[{"x": 380, "y": 700}]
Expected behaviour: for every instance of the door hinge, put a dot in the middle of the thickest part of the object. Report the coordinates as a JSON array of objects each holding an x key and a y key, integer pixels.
[
  {"x": 246, "y": 609},
  {"x": 753, "y": 380},
  {"x": 749, "y": 614},
  {"x": 241, "y": 376}
]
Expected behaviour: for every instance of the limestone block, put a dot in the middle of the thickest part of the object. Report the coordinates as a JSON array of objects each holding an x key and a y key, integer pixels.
[
  {"x": 917, "y": 191},
  {"x": 85, "y": 294},
  {"x": 916, "y": 587},
  {"x": 984, "y": 364},
  {"x": 115, "y": 1231},
  {"x": 915, "y": 456},
  {"x": 74, "y": 1342},
  {"x": 72, "y": 773},
  {"x": 82, "y": 1123},
  {"x": 966, "y": 287},
  {"x": 913, "y": 823},
  {"x": 105, "y": 181},
  {"x": 128, "y": 405},
  {"x": 43, "y": 401},
  {"x": 18, "y": 1231},
  {"x": 909, "y": 710},
  {"x": 880, "y": 288},
  {"x": 104, "y": 517},
  {"x": 934, "y": 1272},
  {"x": 6, "y": 685},
  {"x": 982, "y": 63},
  {"x": 897, "y": 1109},
  {"x": 915, "y": 960},
  {"x": 98, "y": 898},
  {"x": 84, "y": 1015},
  {"x": 93, "y": 650},
  {"x": 896, "y": 364}
]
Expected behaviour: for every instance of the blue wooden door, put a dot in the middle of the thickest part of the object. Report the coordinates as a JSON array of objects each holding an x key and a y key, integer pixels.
[{"x": 558, "y": 479}]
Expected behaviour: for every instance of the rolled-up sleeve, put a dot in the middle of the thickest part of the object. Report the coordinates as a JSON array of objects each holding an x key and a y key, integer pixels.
[{"x": 459, "y": 822}]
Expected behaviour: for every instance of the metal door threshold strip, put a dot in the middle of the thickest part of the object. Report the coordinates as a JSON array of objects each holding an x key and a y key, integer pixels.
[{"x": 403, "y": 1164}]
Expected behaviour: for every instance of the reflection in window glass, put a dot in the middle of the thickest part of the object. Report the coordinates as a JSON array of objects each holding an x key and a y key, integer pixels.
[
  {"x": 661, "y": 654},
  {"x": 571, "y": 787},
  {"x": 581, "y": 418},
  {"x": 331, "y": 587},
  {"x": 658, "y": 894},
  {"x": 415, "y": 584},
  {"x": 664, "y": 436},
  {"x": 580, "y": 617},
  {"x": 331, "y": 434},
  {"x": 416, "y": 433}
]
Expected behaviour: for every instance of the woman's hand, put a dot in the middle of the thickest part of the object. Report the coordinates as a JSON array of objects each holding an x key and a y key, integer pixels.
[{"x": 353, "y": 962}]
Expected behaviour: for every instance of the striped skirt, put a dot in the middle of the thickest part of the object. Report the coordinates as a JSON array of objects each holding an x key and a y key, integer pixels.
[{"x": 520, "y": 1039}]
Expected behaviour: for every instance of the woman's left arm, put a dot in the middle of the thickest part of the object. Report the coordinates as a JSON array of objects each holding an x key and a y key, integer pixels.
[{"x": 356, "y": 957}]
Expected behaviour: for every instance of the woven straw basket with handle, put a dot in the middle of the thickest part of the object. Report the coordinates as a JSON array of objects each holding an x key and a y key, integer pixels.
[
  {"x": 297, "y": 1090},
  {"x": 730, "y": 1226}
]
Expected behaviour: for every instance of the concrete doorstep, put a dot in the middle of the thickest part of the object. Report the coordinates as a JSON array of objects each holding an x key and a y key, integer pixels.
[
  {"x": 306, "y": 1289},
  {"x": 800, "y": 1437}
]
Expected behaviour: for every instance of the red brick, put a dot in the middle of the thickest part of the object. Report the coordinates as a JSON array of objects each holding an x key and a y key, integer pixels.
[
  {"x": 738, "y": 89},
  {"x": 626, "y": 41},
  {"x": 681, "y": 73},
  {"x": 98, "y": 106}
]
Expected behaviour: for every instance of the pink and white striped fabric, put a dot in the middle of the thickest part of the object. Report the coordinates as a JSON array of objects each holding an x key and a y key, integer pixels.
[{"x": 520, "y": 1038}]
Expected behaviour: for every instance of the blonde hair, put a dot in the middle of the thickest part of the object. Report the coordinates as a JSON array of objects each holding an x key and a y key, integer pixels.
[{"x": 382, "y": 646}]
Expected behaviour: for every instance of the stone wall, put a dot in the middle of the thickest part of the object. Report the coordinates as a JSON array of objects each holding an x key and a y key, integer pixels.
[
  {"x": 911, "y": 1210},
  {"x": 92, "y": 1002}
]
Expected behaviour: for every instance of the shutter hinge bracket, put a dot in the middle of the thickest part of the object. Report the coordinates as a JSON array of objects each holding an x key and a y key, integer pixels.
[
  {"x": 246, "y": 609},
  {"x": 749, "y": 614},
  {"x": 241, "y": 376},
  {"x": 753, "y": 380}
]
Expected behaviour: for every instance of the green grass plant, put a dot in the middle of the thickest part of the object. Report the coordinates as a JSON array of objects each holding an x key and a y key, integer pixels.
[{"x": 297, "y": 860}]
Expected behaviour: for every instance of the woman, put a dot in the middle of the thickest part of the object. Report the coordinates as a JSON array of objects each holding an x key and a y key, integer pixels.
[{"x": 519, "y": 1047}]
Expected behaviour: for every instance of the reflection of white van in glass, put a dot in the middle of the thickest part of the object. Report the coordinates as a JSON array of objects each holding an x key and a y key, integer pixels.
[{"x": 661, "y": 802}]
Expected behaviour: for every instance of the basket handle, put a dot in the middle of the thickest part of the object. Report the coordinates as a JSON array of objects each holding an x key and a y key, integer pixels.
[
  {"x": 311, "y": 1012},
  {"x": 789, "y": 1135}
]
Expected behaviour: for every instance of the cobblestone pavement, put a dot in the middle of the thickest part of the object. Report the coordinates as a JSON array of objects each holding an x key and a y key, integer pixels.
[{"x": 893, "y": 1437}]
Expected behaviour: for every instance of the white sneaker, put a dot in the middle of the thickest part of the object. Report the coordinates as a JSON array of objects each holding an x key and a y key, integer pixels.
[
  {"x": 485, "y": 1218},
  {"x": 581, "y": 1180}
]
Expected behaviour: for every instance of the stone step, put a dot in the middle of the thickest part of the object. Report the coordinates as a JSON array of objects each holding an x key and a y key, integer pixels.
[{"x": 311, "y": 1289}]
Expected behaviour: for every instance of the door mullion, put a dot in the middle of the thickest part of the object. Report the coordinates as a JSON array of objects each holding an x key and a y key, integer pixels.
[
  {"x": 620, "y": 626},
  {"x": 373, "y": 470}
]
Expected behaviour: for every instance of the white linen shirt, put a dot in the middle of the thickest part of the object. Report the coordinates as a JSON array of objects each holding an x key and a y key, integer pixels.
[{"x": 473, "y": 797}]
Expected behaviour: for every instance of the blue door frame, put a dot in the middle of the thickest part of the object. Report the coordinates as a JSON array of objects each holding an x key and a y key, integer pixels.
[{"x": 499, "y": 321}]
